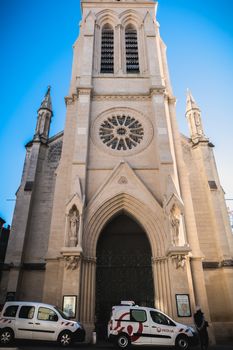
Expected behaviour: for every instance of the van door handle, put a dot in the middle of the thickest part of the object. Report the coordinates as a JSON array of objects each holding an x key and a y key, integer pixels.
[
  {"x": 146, "y": 326},
  {"x": 37, "y": 323},
  {"x": 30, "y": 322}
]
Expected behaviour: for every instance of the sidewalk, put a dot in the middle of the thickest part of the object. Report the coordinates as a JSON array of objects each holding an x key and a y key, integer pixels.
[{"x": 99, "y": 346}]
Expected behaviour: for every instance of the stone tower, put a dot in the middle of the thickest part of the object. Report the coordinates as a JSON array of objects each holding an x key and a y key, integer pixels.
[{"x": 121, "y": 213}]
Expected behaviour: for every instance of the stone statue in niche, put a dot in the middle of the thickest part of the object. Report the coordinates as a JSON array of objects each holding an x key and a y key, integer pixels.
[
  {"x": 175, "y": 224},
  {"x": 74, "y": 220}
]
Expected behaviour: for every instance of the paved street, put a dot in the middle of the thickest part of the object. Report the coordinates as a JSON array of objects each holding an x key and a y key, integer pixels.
[{"x": 102, "y": 346}]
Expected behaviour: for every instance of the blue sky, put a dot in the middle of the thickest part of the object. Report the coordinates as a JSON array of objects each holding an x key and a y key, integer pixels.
[{"x": 36, "y": 51}]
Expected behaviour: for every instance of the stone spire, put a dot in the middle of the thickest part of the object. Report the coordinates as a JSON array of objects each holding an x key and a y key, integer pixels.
[
  {"x": 193, "y": 115},
  {"x": 44, "y": 115}
]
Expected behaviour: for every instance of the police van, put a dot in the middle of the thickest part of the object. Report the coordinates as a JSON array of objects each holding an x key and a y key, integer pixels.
[
  {"x": 131, "y": 324},
  {"x": 37, "y": 321}
]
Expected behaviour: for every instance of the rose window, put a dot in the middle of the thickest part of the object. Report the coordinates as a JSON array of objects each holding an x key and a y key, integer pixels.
[{"x": 121, "y": 132}]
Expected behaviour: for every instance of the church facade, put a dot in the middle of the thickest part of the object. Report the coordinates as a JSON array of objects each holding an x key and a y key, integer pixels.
[{"x": 121, "y": 205}]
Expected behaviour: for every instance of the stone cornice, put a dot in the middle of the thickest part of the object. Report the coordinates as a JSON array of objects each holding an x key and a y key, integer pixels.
[
  {"x": 69, "y": 100},
  {"x": 158, "y": 90}
]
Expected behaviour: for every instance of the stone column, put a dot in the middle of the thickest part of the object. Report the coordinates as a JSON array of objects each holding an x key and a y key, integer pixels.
[
  {"x": 118, "y": 48},
  {"x": 162, "y": 285},
  {"x": 87, "y": 302}
]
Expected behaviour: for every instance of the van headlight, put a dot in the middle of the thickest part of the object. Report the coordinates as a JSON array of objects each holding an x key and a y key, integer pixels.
[{"x": 192, "y": 330}]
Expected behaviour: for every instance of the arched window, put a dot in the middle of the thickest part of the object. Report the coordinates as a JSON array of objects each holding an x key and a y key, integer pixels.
[
  {"x": 131, "y": 50},
  {"x": 107, "y": 50}
]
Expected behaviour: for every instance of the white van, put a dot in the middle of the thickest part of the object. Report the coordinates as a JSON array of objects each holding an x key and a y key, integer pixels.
[
  {"x": 132, "y": 324},
  {"x": 37, "y": 321}
]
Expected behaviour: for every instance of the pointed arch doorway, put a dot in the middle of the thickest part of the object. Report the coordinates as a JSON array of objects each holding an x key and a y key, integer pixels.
[{"x": 123, "y": 270}]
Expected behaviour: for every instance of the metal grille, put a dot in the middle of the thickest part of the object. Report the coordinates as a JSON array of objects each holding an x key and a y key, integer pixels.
[
  {"x": 131, "y": 48},
  {"x": 107, "y": 51}
]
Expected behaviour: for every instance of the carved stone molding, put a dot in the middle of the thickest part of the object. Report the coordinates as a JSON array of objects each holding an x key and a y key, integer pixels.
[
  {"x": 179, "y": 255},
  {"x": 72, "y": 257},
  {"x": 84, "y": 91},
  {"x": 121, "y": 97},
  {"x": 155, "y": 260},
  {"x": 180, "y": 260},
  {"x": 90, "y": 259},
  {"x": 158, "y": 90},
  {"x": 72, "y": 261}
]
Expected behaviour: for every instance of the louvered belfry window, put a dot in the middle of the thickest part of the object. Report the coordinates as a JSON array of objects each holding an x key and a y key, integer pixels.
[
  {"x": 107, "y": 50},
  {"x": 131, "y": 50}
]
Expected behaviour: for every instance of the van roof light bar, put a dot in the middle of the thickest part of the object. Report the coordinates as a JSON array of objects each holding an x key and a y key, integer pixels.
[{"x": 128, "y": 302}]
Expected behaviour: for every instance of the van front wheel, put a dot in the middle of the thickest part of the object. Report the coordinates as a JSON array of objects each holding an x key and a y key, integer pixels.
[
  {"x": 65, "y": 339},
  {"x": 182, "y": 342},
  {"x": 6, "y": 336},
  {"x": 122, "y": 341}
]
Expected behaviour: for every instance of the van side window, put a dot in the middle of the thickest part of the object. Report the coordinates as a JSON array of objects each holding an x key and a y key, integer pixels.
[
  {"x": 138, "y": 315},
  {"x": 26, "y": 312},
  {"x": 159, "y": 318},
  {"x": 46, "y": 314},
  {"x": 11, "y": 311}
]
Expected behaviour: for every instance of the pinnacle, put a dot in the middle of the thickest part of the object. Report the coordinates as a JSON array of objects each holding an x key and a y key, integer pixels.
[
  {"x": 47, "y": 103},
  {"x": 190, "y": 102}
]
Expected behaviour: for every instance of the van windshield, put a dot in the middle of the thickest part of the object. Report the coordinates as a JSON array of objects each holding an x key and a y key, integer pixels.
[{"x": 63, "y": 314}]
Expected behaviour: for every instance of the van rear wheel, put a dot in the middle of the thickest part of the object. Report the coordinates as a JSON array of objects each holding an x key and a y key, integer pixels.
[
  {"x": 123, "y": 341},
  {"x": 6, "y": 336},
  {"x": 182, "y": 342}
]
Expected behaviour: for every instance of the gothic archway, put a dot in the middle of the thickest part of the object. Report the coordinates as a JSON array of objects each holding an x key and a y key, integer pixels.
[{"x": 123, "y": 270}]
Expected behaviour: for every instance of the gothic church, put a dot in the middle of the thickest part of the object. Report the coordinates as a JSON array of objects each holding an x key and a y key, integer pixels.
[{"x": 121, "y": 205}]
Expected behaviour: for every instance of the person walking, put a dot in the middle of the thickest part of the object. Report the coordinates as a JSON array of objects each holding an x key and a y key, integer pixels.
[{"x": 201, "y": 326}]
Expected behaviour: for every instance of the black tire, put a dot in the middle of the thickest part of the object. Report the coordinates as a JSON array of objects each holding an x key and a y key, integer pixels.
[
  {"x": 182, "y": 342},
  {"x": 123, "y": 341},
  {"x": 65, "y": 339},
  {"x": 6, "y": 336}
]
